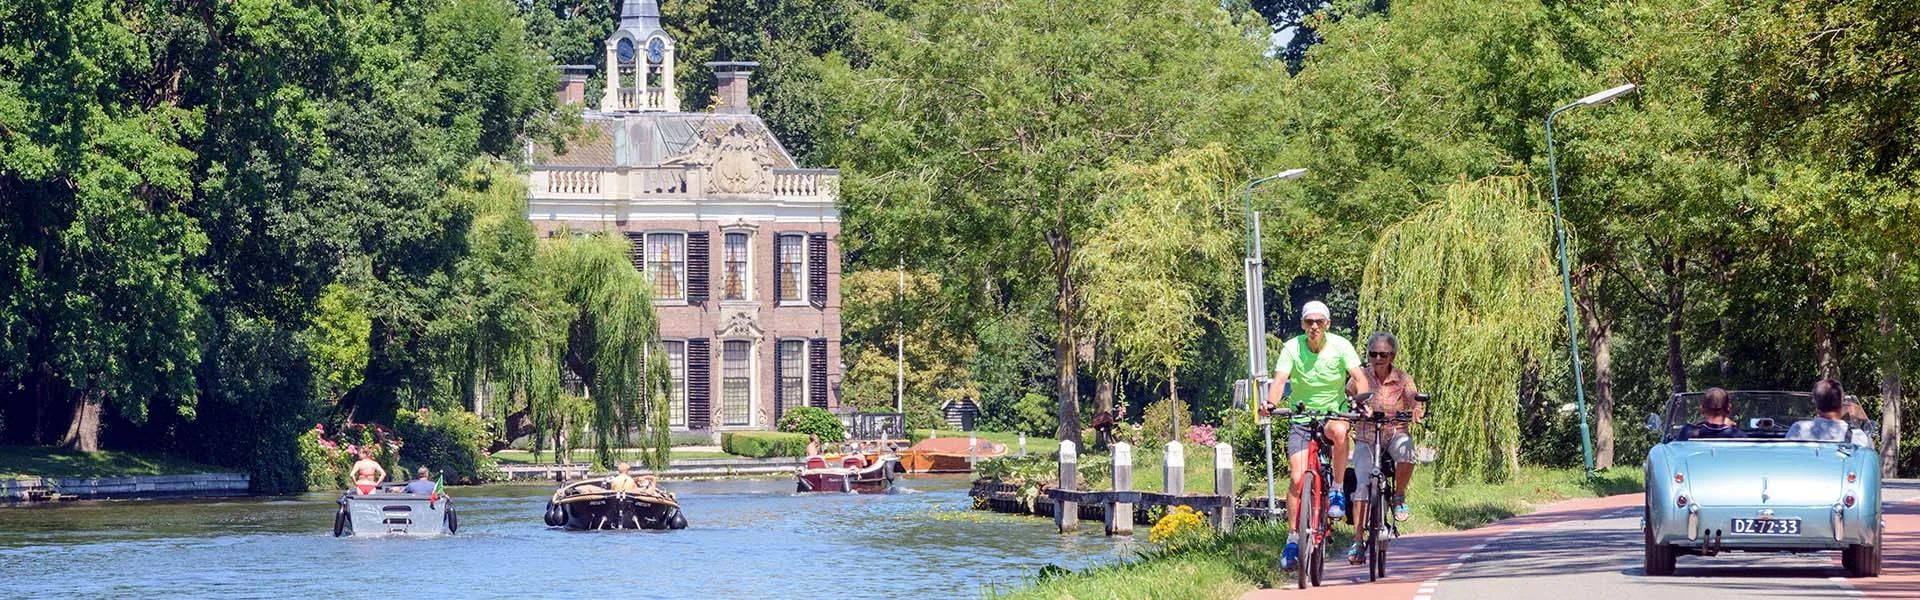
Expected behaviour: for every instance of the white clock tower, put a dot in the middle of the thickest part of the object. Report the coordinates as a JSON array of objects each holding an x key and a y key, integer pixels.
[{"x": 640, "y": 62}]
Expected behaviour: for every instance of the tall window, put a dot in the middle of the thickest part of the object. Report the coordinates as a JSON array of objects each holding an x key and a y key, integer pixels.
[
  {"x": 793, "y": 373},
  {"x": 793, "y": 267},
  {"x": 677, "y": 386},
  {"x": 736, "y": 383},
  {"x": 667, "y": 262},
  {"x": 734, "y": 279}
]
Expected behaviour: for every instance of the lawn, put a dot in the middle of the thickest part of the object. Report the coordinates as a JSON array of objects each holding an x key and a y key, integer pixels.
[
  {"x": 42, "y": 461},
  {"x": 1230, "y": 565},
  {"x": 1036, "y": 443}
]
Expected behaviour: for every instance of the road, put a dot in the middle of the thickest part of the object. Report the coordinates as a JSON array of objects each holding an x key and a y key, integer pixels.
[{"x": 1591, "y": 550}]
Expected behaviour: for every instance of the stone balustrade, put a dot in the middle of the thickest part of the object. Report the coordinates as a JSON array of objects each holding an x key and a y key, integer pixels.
[{"x": 671, "y": 182}]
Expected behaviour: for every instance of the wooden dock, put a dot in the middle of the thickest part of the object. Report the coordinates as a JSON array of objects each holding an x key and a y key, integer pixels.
[
  {"x": 705, "y": 467},
  {"x": 1068, "y": 506},
  {"x": 53, "y": 489}
]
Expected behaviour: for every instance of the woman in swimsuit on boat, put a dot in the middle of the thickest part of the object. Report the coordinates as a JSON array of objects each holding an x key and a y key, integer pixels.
[{"x": 367, "y": 474}]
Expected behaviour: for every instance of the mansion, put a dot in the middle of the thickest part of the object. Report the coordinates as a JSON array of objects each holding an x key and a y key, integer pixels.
[{"x": 739, "y": 243}]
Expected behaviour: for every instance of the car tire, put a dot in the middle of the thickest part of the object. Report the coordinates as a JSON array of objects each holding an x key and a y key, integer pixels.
[
  {"x": 1863, "y": 560},
  {"x": 1660, "y": 557}
]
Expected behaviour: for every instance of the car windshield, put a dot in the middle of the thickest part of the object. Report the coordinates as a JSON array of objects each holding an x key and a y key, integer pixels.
[{"x": 1761, "y": 415}]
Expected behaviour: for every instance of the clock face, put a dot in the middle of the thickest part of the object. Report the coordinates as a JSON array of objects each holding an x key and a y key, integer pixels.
[
  {"x": 625, "y": 50},
  {"x": 656, "y": 50}
]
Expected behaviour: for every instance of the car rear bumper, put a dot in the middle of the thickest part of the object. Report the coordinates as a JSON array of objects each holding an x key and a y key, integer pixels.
[{"x": 1711, "y": 527}]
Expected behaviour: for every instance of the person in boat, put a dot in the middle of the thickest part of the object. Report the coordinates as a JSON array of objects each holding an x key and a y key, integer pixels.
[
  {"x": 624, "y": 481},
  {"x": 1716, "y": 412},
  {"x": 813, "y": 444},
  {"x": 421, "y": 485},
  {"x": 367, "y": 473}
]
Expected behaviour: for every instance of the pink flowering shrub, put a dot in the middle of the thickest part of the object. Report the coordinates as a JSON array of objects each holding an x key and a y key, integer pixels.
[
  {"x": 1203, "y": 435},
  {"x": 329, "y": 455}
]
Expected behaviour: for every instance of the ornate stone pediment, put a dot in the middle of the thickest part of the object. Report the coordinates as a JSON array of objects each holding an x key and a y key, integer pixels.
[
  {"x": 739, "y": 159},
  {"x": 739, "y": 324}
]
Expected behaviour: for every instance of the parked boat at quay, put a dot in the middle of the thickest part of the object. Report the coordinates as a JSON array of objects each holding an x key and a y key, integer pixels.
[{"x": 949, "y": 455}]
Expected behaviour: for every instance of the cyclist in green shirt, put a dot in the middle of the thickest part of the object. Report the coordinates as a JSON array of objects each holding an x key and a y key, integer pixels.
[{"x": 1319, "y": 364}]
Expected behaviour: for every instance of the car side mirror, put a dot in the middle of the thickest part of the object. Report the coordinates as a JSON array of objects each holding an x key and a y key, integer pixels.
[{"x": 1653, "y": 423}]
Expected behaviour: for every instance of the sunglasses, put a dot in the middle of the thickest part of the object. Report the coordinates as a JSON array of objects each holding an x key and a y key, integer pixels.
[
  {"x": 1380, "y": 354},
  {"x": 1321, "y": 322}
]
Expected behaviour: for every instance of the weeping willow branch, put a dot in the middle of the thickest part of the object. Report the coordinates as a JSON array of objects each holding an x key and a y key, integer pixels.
[
  {"x": 613, "y": 341},
  {"x": 1468, "y": 285}
]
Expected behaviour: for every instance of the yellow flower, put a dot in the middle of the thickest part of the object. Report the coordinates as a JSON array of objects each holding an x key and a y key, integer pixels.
[{"x": 1181, "y": 526}]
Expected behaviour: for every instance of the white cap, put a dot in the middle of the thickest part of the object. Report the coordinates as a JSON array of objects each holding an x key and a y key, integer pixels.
[{"x": 1314, "y": 308}]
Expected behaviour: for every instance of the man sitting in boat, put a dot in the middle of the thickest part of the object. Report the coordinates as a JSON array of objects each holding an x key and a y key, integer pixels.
[
  {"x": 367, "y": 473},
  {"x": 626, "y": 482},
  {"x": 813, "y": 444},
  {"x": 421, "y": 485}
]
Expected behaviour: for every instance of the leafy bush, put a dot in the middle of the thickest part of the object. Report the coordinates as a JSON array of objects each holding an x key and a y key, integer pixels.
[
  {"x": 1158, "y": 422},
  {"x": 1035, "y": 413},
  {"x": 319, "y": 456},
  {"x": 453, "y": 442},
  {"x": 816, "y": 421},
  {"x": 764, "y": 444}
]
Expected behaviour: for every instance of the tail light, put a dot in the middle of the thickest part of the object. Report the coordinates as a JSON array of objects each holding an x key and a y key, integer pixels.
[
  {"x": 1849, "y": 501},
  {"x": 1850, "y": 477},
  {"x": 1680, "y": 501},
  {"x": 1682, "y": 478}
]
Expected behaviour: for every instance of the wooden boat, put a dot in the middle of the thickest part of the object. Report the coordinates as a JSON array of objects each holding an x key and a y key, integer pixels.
[
  {"x": 391, "y": 511},
  {"x": 855, "y": 474},
  {"x": 590, "y": 504},
  {"x": 949, "y": 455}
]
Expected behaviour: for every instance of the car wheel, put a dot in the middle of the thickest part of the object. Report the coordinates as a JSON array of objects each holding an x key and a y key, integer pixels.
[
  {"x": 1863, "y": 560},
  {"x": 1659, "y": 556}
]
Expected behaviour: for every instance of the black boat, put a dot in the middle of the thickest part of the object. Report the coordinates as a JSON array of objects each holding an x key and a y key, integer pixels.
[{"x": 591, "y": 504}]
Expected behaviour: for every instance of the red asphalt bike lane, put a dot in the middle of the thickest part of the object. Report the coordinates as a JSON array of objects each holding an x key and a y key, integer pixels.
[{"x": 1416, "y": 561}]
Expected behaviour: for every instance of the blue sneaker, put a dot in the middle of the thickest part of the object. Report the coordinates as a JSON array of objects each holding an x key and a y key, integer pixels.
[
  {"x": 1337, "y": 504},
  {"x": 1290, "y": 557}
]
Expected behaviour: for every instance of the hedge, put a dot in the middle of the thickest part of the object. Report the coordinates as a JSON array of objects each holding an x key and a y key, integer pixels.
[{"x": 763, "y": 444}]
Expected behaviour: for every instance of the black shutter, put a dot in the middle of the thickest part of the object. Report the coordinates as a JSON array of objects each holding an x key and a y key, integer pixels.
[
  {"x": 699, "y": 384},
  {"x": 697, "y": 251},
  {"x": 637, "y": 250},
  {"x": 776, "y": 269},
  {"x": 779, "y": 381},
  {"x": 817, "y": 269},
  {"x": 817, "y": 376}
]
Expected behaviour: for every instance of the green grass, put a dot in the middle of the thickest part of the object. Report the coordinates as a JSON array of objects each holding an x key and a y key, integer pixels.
[
  {"x": 42, "y": 461},
  {"x": 1230, "y": 565},
  {"x": 1036, "y": 443}
]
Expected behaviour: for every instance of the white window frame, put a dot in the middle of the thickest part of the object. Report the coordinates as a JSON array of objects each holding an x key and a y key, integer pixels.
[
  {"x": 806, "y": 371},
  {"x": 679, "y": 384},
  {"x": 753, "y": 391},
  {"x": 647, "y": 241},
  {"x": 746, "y": 274},
  {"x": 800, "y": 279}
]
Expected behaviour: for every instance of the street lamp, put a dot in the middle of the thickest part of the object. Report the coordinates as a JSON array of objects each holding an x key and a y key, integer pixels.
[
  {"x": 1256, "y": 315},
  {"x": 1566, "y": 277}
]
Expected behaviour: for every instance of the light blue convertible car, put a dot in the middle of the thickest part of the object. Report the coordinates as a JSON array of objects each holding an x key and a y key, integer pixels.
[{"x": 1761, "y": 492}]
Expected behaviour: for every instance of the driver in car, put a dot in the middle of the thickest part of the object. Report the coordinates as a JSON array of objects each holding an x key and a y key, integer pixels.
[
  {"x": 1831, "y": 424},
  {"x": 1716, "y": 412}
]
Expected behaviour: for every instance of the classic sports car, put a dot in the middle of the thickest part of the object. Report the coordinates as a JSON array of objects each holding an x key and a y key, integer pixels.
[{"x": 1761, "y": 492}]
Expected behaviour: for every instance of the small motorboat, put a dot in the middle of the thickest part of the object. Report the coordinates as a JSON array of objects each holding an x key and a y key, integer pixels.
[
  {"x": 591, "y": 504},
  {"x": 854, "y": 473},
  {"x": 949, "y": 455},
  {"x": 391, "y": 511}
]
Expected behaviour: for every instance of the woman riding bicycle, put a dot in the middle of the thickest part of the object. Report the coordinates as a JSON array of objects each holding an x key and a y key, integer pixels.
[
  {"x": 1393, "y": 393},
  {"x": 1319, "y": 364}
]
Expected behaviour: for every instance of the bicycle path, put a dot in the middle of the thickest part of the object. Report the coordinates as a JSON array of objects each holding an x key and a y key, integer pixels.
[{"x": 1591, "y": 549}]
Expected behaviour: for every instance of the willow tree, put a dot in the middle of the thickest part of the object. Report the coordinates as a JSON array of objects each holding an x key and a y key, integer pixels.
[{"x": 1468, "y": 285}]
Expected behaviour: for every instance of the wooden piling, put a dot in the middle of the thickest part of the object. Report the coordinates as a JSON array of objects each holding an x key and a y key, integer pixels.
[
  {"x": 1175, "y": 471},
  {"x": 1066, "y": 515},
  {"x": 1120, "y": 514},
  {"x": 1223, "y": 486}
]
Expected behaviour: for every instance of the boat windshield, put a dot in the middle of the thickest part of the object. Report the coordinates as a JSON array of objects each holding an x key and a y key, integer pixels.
[{"x": 1760, "y": 415}]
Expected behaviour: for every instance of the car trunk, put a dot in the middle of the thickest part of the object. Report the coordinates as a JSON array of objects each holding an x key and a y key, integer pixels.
[{"x": 1781, "y": 474}]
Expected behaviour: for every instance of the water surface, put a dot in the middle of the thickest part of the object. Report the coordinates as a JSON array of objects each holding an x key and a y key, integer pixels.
[{"x": 745, "y": 539}]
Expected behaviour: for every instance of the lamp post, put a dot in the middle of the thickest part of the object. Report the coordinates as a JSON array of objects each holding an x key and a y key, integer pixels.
[
  {"x": 1566, "y": 276},
  {"x": 1256, "y": 317}
]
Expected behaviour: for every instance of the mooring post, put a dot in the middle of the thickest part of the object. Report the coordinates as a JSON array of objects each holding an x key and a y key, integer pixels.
[
  {"x": 1175, "y": 472},
  {"x": 1066, "y": 514},
  {"x": 1023, "y": 444},
  {"x": 1120, "y": 514},
  {"x": 1223, "y": 486},
  {"x": 972, "y": 441}
]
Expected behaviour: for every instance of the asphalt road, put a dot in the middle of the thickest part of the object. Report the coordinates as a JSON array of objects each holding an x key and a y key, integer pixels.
[{"x": 1591, "y": 549}]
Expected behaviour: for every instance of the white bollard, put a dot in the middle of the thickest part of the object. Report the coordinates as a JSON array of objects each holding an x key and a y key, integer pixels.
[
  {"x": 1120, "y": 514},
  {"x": 1066, "y": 515},
  {"x": 1175, "y": 471},
  {"x": 1023, "y": 443},
  {"x": 1223, "y": 486}
]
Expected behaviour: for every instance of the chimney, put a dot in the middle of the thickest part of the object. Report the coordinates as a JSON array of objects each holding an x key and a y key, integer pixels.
[
  {"x": 573, "y": 84},
  {"x": 730, "y": 83}
]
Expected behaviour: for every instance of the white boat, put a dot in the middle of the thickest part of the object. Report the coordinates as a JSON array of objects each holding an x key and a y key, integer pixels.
[{"x": 390, "y": 511}]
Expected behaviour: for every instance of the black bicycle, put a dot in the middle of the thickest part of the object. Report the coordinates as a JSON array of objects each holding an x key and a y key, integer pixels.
[{"x": 1381, "y": 488}]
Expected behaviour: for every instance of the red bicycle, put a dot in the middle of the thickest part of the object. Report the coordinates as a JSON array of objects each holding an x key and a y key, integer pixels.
[{"x": 1312, "y": 523}]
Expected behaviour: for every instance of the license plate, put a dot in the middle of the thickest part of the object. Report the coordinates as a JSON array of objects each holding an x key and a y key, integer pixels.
[{"x": 1767, "y": 526}]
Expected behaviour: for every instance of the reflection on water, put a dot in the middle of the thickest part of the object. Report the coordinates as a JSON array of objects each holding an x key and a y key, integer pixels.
[{"x": 744, "y": 539}]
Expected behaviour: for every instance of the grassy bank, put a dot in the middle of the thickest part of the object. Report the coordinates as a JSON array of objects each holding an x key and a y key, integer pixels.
[
  {"x": 1036, "y": 443},
  {"x": 1228, "y": 566},
  {"x": 41, "y": 461},
  {"x": 523, "y": 457}
]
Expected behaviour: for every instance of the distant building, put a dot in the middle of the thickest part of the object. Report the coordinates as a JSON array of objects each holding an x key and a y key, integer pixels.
[{"x": 739, "y": 242}]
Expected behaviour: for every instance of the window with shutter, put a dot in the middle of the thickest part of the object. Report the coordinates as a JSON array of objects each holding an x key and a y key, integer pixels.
[
  {"x": 697, "y": 252},
  {"x": 699, "y": 384},
  {"x": 677, "y": 383},
  {"x": 736, "y": 383},
  {"x": 667, "y": 263},
  {"x": 817, "y": 373},
  {"x": 733, "y": 273},
  {"x": 790, "y": 269},
  {"x": 791, "y": 369},
  {"x": 817, "y": 270},
  {"x": 637, "y": 250}
]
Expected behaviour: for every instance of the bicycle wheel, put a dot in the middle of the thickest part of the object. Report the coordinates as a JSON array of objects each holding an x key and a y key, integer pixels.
[{"x": 1303, "y": 529}]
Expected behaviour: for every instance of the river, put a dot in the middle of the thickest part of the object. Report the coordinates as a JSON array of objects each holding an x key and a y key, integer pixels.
[{"x": 745, "y": 539}]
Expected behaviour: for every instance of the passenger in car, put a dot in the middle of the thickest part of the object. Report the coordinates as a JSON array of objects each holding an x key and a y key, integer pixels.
[
  {"x": 1716, "y": 412},
  {"x": 1831, "y": 424}
]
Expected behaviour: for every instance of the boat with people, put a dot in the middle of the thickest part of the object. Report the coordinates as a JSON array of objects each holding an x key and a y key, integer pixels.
[
  {"x": 949, "y": 455},
  {"x": 858, "y": 473},
  {"x": 390, "y": 510},
  {"x": 610, "y": 503}
]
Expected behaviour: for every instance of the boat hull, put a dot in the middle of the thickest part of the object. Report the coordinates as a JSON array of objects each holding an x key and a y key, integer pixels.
[
  {"x": 587, "y": 514},
  {"x": 948, "y": 455},
  {"x": 385, "y": 514},
  {"x": 875, "y": 478}
]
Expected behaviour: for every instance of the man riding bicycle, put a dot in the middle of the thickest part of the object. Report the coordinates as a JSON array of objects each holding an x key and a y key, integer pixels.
[
  {"x": 1319, "y": 364},
  {"x": 1393, "y": 393}
]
